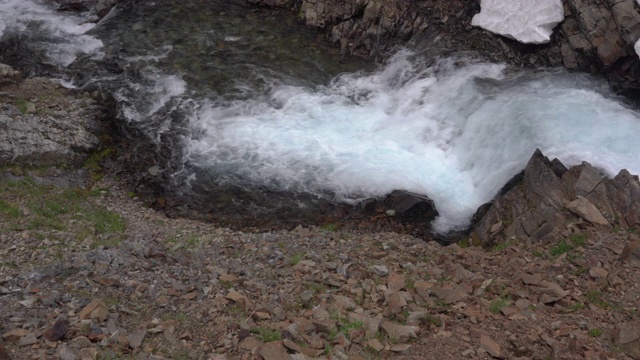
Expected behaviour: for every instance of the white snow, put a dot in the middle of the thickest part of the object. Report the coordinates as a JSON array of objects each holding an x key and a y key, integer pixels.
[
  {"x": 637, "y": 47},
  {"x": 527, "y": 21}
]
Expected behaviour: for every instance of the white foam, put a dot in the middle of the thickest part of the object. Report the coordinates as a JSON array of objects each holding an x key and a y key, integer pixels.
[
  {"x": 61, "y": 35},
  {"x": 526, "y": 21},
  {"x": 637, "y": 46},
  {"x": 456, "y": 132}
]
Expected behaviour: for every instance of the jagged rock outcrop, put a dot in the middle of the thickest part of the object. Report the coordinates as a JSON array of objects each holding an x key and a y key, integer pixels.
[
  {"x": 42, "y": 123},
  {"x": 549, "y": 201}
]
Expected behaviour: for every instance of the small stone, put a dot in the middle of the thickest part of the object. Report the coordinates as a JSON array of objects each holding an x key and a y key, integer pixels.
[
  {"x": 380, "y": 270},
  {"x": 399, "y": 332},
  {"x": 274, "y": 351},
  {"x": 344, "y": 302},
  {"x": 27, "y": 340},
  {"x": 400, "y": 348},
  {"x": 326, "y": 326},
  {"x": 307, "y": 295},
  {"x": 31, "y": 107},
  {"x": 492, "y": 347},
  {"x": 28, "y": 303},
  {"x": 95, "y": 310},
  {"x": 598, "y": 273},
  {"x": 13, "y": 336},
  {"x": 137, "y": 337},
  {"x": 375, "y": 344},
  {"x": 249, "y": 343},
  {"x": 57, "y": 331},
  {"x": 154, "y": 170}
]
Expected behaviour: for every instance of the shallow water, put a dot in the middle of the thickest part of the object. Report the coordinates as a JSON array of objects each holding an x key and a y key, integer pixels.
[{"x": 251, "y": 101}]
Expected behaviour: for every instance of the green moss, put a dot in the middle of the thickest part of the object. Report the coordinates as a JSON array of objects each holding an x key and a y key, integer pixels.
[
  {"x": 497, "y": 305},
  {"x": 266, "y": 334},
  {"x": 9, "y": 209},
  {"x": 578, "y": 239},
  {"x": 21, "y": 104}
]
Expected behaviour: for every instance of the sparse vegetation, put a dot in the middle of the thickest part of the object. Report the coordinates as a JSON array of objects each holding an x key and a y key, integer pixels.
[
  {"x": 497, "y": 304},
  {"x": 266, "y": 334},
  {"x": 595, "y": 332}
]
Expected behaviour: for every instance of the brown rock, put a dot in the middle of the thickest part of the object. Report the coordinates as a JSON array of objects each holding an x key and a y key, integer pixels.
[
  {"x": 399, "y": 332},
  {"x": 532, "y": 279},
  {"x": 137, "y": 337},
  {"x": 249, "y": 343},
  {"x": 13, "y": 336},
  {"x": 29, "y": 339},
  {"x": 586, "y": 210},
  {"x": 395, "y": 282},
  {"x": 627, "y": 336},
  {"x": 375, "y": 344},
  {"x": 239, "y": 299},
  {"x": 326, "y": 326},
  {"x": 492, "y": 347},
  {"x": 400, "y": 348},
  {"x": 631, "y": 254},
  {"x": 95, "y": 310},
  {"x": 344, "y": 302},
  {"x": 57, "y": 331},
  {"x": 3, "y": 354},
  {"x": 311, "y": 353},
  {"x": 551, "y": 292},
  {"x": 274, "y": 351}
]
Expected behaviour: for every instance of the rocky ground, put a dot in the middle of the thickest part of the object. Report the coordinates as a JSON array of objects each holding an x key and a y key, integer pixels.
[{"x": 96, "y": 274}]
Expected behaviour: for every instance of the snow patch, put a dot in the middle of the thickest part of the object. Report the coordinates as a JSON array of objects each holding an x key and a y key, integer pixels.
[
  {"x": 637, "y": 47},
  {"x": 527, "y": 21}
]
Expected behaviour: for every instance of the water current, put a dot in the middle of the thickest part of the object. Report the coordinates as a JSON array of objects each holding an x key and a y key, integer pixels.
[{"x": 250, "y": 99}]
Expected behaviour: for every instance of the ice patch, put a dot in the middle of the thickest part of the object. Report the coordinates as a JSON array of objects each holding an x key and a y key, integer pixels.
[{"x": 526, "y": 21}]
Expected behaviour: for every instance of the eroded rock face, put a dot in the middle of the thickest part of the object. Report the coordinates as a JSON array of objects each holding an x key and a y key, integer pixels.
[
  {"x": 529, "y": 22},
  {"x": 596, "y": 36},
  {"x": 550, "y": 201}
]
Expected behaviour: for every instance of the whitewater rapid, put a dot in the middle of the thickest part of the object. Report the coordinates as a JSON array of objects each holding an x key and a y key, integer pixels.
[{"x": 454, "y": 129}]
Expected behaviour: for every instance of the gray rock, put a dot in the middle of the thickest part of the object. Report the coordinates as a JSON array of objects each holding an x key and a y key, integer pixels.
[{"x": 380, "y": 270}]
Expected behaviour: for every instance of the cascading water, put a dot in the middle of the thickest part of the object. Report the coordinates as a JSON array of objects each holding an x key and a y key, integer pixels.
[{"x": 255, "y": 112}]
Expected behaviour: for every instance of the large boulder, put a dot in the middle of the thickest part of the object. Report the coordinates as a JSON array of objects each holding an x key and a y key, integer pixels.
[{"x": 547, "y": 200}]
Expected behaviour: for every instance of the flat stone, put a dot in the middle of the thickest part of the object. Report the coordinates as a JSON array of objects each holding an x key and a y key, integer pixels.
[
  {"x": 532, "y": 279},
  {"x": 308, "y": 352},
  {"x": 627, "y": 336},
  {"x": 137, "y": 337},
  {"x": 375, "y": 344},
  {"x": 344, "y": 302},
  {"x": 395, "y": 282},
  {"x": 400, "y": 348},
  {"x": 95, "y": 310},
  {"x": 326, "y": 326},
  {"x": 274, "y": 351},
  {"x": 399, "y": 332},
  {"x": 551, "y": 292},
  {"x": 27, "y": 340},
  {"x": 598, "y": 273},
  {"x": 586, "y": 210},
  {"x": 13, "y": 336},
  {"x": 492, "y": 347},
  {"x": 249, "y": 343}
]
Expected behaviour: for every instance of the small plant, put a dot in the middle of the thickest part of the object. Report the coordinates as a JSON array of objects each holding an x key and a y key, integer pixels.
[
  {"x": 108, "y": 222},
  {"x": 497, "y": 305},
  {"x": 578, "y": 239},
  {"x": 9, "y": 209},
  {"x": 409, "y": 282},
  {"x": 266, "y": 334},
  {"x": 594, "y": 333},
  {"x": 330, "y": 227},
  {"x": 575, "y": 307},
  {"x": 502, "y": 246},
  {"x": 595, "y": 297},
  {"x": 295, "y": 259},
  {"x": 560, "y": 248},
  {"x": 539, "y": 254}
]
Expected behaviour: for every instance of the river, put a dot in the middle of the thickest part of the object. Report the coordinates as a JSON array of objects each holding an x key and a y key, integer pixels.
[{"x": 251, "y": 100}]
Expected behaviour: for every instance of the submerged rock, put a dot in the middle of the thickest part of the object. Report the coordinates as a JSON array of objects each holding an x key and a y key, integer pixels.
[
  {"x": 546, "y": 202},
  {"x": 529, "y": 22}
]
